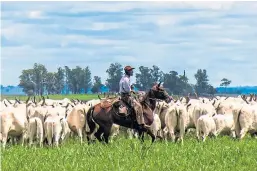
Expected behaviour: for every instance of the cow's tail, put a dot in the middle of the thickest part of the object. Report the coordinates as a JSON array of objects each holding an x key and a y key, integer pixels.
[
  {"x": 198, "y": 128},
  {"x": 52, "y": 130},
  {"x": 236, "y": 115},
  {"x": 181, "y": 121},
  {"x": 37, "y": 129}
]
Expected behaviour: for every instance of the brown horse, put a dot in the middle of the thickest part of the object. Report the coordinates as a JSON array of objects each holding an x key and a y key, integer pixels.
[{"x": 105, "y": 115}]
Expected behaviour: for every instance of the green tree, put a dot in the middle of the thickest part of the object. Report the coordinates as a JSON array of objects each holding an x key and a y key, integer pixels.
[
  {"x": 67, "y": 79},
  {"x": 171, "y": 81},
  {"x": 156, "y": 74},
  {"x": 51, "y": 83},
  {"x": 211, "y": 90},
  {"x": 33, "y": 79},
  {"x": 87, "y": 79},
  {"x": 97, "y": 84},
  {"x": 38, "y": 77},
  {"x": 202, "y": 85},
  {"x": 114, "y": 76},
  {"x": 144, "y": 78},
  {"x": 225, "y": 82},
  {"x": 26, "y": 81},
  {"x": 59, "y": 77},
  {"x": 183, "y": 86}
]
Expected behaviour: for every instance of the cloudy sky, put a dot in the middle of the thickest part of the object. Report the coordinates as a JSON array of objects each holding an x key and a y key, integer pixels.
[{"x": 218, "y": 36}]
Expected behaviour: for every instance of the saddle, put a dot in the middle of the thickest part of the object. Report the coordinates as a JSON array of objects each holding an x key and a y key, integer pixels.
[
  {"x": 123, "y": 108},
  {"x": 108, "y": 102}
]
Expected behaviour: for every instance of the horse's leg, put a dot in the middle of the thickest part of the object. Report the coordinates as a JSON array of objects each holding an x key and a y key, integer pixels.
[
  {"x": 141, "y": 135},
  {"x": 99, "y": 133},
  {"x": 107, "y": 130},
  {"x": 149, "y": 132},
  {"x": 140, "y": 131}
]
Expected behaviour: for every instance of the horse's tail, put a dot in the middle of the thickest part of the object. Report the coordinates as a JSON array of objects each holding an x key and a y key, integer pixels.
[{"x": 90, "y": 122}]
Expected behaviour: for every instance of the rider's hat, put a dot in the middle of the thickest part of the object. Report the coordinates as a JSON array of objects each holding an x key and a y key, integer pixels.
[{"x": 128, "y": 68}]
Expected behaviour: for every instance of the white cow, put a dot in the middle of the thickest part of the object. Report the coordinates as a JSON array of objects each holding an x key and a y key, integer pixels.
[
  {"x": 35, "y": 131},
  {"x": 245, "y": 119},
  {"x": 205, "y": 126},
  {"x": 14, "y": 122},
  {"x": 156, "y": 126},
  {"x": 224, "y": 124},
  {"x": 53, "y": 128},
  {"x": 77, "y": 120}
]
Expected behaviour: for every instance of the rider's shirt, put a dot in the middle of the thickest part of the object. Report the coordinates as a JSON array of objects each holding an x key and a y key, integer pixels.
[{"x": 125, "y": 84}]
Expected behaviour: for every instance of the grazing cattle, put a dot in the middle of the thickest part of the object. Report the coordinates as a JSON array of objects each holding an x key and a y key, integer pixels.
[
  {"x": 171, "y": 121},
  {"x": 205, "y": 126},
  {"x": 65, "y": 130},
  {"x": 35, "y": 131},
  {"x": 224, "y": 124},
  {"x": 77, "y": 120},
  {"x": 53, "y": 129},
  {"x": 245, "y": 119},
  {"x": 156, "y": 126},
  {"x": 14, "y": 123},
  {"x": 114, "y": 131}
]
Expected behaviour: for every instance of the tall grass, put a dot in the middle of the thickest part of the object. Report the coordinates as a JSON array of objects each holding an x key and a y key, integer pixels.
[{"x": 124, "y": 154}]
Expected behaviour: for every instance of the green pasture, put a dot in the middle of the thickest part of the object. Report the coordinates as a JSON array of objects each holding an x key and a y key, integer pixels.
[
  {"x": 57, "y": 96},
  {"x": 125, "y": 154},
  {"x": 220, "y": 154}
]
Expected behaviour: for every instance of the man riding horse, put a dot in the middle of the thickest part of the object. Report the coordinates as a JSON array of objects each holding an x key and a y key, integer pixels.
[
  {"x": 102, "y": 116},
  {"x": 125, "y": 90}
]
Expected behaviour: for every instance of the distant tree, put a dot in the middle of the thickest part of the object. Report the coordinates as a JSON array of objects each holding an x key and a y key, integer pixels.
[
  {"x": 67, "y": 78},
  {"x": 202, "y": 84},
  {"x": 76, "y": 80},
  {"x": 59, "y": 78},
  {"x": 156, "y": 74},
  {"x": 114, "y": 76},
  {"x": 97, "y": 84},
  {"x": 87, "y": 79},
  {"x": 211, "y": 90},
  {"x": 26, "y": 81},
  {"x": 51, "y": 83},
  {"x": 225, "y": 82},
  {"x": 183, "y": 86},
  {"x": 144, "y": 79},
  {"x": 38, "y": 77},
  {"x": 33, "y": 79}
]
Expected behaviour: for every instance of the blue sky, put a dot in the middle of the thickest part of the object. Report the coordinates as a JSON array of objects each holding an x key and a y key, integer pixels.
[{"x": 218, "y": 36}]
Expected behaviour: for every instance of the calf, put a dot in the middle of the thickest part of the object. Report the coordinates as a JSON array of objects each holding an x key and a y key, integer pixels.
[{"x": 205, "y": 126}]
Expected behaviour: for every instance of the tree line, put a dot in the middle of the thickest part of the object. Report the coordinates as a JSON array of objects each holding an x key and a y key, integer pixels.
[{"x": 79, "y": 80}]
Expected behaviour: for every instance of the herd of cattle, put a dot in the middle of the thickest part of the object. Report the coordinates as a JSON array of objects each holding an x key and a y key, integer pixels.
[{"x": 54, "y": 121}]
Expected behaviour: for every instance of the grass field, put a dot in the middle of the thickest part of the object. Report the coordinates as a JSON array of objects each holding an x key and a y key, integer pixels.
[
  {"x": 124, "y": 154},
  {"x": 58, "y": 96},
  {"x": 130, "y": 155}
]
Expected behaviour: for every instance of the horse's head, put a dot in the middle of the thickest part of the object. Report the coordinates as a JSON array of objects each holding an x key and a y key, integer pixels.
[{"x": 158, "y": 92}]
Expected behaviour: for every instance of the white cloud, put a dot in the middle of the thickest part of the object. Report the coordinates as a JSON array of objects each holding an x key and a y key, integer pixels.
[
  {"x": 35, "y": 14},
  {"x": 229, "y": 41},
  {"x": 172, "y": 35}
]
